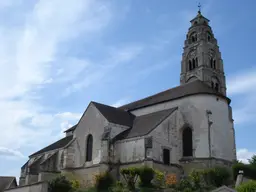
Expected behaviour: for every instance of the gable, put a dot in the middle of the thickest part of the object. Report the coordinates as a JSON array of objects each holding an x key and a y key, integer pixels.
[
  {"x": 224, "y": 189},
  {"x": 7, "y": 182},
  {"x": 115, "y": 115},
  {"x": 144, "y": 124}
]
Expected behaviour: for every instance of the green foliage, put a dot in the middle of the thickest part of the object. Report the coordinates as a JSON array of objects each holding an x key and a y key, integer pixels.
[
  {"x": 146, "y": 175},
  {"x": 130, "y": 175},
  {"x": 104, "y": 181},
  {"x": 252, "y": 161},
  {"x": 249, "y": 186},
  {"x": 159, "y": 179},
  {"x": 119, "y": 187},
  {"x": 75, "y": 184},
  {"x": 217, "y": 176},
  {"x": 249, "y": 170},
  {"x": 60, "y": 184}
]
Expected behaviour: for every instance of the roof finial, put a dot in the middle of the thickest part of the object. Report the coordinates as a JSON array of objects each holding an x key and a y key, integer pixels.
[{"x": 199, "y": 7}]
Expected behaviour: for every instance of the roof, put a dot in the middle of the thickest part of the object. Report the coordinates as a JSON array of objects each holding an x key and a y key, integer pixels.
[
  {"x": 58, "y": 144},
  {"x": 223, "y": 189},
  {"x": 144, "y": 124},
  {"x": 192, "y": 88},
  {"x": 5, "y": 182},
  {"x": 71, "y": 129},
  {"x": 115, "y": 115}
]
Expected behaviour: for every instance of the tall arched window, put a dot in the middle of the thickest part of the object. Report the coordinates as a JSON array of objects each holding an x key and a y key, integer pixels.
[
  {"x": 187, "y": 142},
  {"x": 89, "y": 144},
  {"x": 190, "y": 65}
]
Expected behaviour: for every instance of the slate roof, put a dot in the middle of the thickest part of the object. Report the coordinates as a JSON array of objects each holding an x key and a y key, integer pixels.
[
  {"x": 224, "y": 189},
  {"x": 71, "y": 129},
  {"x": 192, "y": 88},
  {"x": 58, "y": 144},
  {"x": 5, "y": 182},
  {"x": 144, "y": 124},
  {"x": 115, "y": 115}
]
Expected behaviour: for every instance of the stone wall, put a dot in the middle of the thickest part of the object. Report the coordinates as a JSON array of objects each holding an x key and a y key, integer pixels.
[
  {"x": 193, "y": 112},
  {"x": 47, "y": 176},
  {"x": 85, "y": 175},
  {"x": 36, "y": 187}
]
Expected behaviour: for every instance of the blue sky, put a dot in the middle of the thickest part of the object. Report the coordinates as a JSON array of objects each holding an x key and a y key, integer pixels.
[{"x": 58, "y": 55}]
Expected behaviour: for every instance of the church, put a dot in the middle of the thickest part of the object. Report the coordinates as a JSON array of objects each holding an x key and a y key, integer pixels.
[{"x": 185, "y": 127}]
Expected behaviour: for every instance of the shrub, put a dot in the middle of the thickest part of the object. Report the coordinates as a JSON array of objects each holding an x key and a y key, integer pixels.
[
  {"x": 60, "y": 184},
  {"x": 249, "y": 186},
  {"x": 146, "y": 175},
  {"x": 249, "y": 170},
  {"x": 103, "y": 181},
  {"x": 130, "y": 175},
  {"x": 159, "y": 179},
  {"x": 217, "y": 176}
]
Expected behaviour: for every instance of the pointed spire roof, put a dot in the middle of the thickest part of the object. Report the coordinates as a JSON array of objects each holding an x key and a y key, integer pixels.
[{"x": 199, "y": 17}]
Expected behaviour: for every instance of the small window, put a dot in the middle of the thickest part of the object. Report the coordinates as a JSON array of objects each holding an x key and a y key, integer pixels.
[
  {"x": 193, "y": 63},
  {"x": 214, "y": 64},
  {"x": 195, "y": 22},
  {"x": 190, "y": 65},
  {"x": 216, "y": 87},
  {"x": 212, "y": 85},
  {"x": 166, "y": 156}
]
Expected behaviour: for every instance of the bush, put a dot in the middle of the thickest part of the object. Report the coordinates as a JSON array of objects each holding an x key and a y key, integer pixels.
[
  {"x": 249, "y": 186},
  {"x": 159, "y": 179},
  {"x": 217, "y": 176},
  {"x": 146, "y": 175},
  {"x": 104, "y": 181},
  {"x": 249, "y": 170},
  {"x": 130, "y": 175},
  {"x": 60, "y": 184}
]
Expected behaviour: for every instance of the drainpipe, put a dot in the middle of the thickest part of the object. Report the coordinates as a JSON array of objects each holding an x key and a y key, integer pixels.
[{"x": 208, "y": 113}]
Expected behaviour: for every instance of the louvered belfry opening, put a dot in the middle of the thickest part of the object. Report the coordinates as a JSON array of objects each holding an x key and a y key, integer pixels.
[
  {"x": 187, "y": 142},
  {"x": 89, "y": 146}
]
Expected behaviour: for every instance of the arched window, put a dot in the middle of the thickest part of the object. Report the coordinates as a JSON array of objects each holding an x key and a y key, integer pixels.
[
  {"x": 190, "y": 65},
  {"x": 187, "y": 142},
  {"x": 193, "y": 63},
  {"x": 193, "y": 37},
  {"x": 214, "y": 64},
  {"x": 211, "y": 62},
  {"x": 216, "y": 87},
  {"x": 212, "y": 85},
  {"x": 89, "y": 144}
]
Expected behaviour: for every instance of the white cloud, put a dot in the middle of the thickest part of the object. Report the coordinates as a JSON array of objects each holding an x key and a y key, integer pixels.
[
  {"x": 244, "y": 154},
  {"x": 242, "y": 84},
  {"x": 121, "y": 102},
  {"x": 10, "y": 153},
  {"x": 116, "y": 58},
  {"x": 28, "y": 54}
]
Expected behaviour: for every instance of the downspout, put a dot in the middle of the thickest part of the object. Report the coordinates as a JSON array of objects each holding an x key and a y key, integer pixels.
[{"x": 208, "y": 113}]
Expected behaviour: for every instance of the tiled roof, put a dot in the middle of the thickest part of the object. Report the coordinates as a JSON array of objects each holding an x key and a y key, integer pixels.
[
  {"x": 58, "y": 144},
  {"x": 5, "y": 182},
  {"x": 195, "y": 87},
  {"x": 144, "y": 124},
  {"x": 115, "y": 115}
]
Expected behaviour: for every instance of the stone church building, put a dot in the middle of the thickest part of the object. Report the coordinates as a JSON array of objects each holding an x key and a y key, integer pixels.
[{"x": 185, "y": 127}]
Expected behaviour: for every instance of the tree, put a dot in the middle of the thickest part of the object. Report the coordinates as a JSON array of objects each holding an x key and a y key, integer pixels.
[{"x": 252, "y": 161}]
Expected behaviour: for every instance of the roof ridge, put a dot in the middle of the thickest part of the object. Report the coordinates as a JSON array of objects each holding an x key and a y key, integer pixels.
[{"x": 159, "y": 93}]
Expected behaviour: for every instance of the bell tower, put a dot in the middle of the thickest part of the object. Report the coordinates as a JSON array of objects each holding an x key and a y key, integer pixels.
[{"x": 201, "y": 58}]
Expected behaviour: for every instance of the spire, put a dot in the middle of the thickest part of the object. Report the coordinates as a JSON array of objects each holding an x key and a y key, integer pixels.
[
  {"x": 201, "y": 58},
  {"x": 199, "y": 8}
]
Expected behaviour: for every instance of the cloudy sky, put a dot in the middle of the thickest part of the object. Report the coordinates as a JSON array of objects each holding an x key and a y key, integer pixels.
[{"x": 58, "y": 55}]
